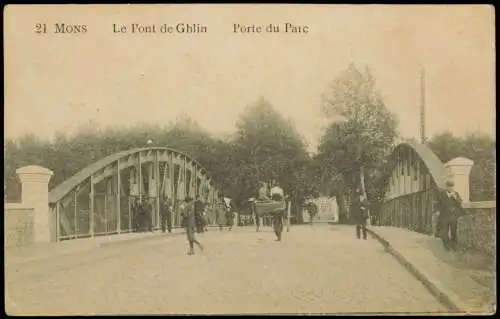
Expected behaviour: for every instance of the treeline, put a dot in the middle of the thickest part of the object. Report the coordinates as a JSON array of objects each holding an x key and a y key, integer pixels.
[{"x": 265, "y": 146}]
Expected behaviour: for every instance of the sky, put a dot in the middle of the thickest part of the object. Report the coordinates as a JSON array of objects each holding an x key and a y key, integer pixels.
[{"x": 58, "y": 81}]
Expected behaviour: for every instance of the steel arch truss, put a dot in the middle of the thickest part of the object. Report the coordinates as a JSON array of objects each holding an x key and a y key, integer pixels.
[
  {"x": 413, "y": 176},
  {"x": 98, "y": 199}
]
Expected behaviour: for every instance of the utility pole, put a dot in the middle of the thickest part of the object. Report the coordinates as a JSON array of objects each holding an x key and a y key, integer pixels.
[{"x": 422, "y": 106}]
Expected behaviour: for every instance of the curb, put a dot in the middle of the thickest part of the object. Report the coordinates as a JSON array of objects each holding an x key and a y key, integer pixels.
[
  {"x": 447, "y": 298},
  {"x": 90, "y": 247},
  {"x": 50, "y": 256},
  {"x": 140, "y": 238}
]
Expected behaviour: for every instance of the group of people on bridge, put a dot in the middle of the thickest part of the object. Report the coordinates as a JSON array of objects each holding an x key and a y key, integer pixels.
[
  {"x": 271, "y": 201},
  {"x": 142, "y": 214}
]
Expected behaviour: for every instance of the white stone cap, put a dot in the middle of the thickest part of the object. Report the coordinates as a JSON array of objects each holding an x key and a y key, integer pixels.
[
  {"x": 459, "y": 161},
  {"x": 34, "y": 172}
]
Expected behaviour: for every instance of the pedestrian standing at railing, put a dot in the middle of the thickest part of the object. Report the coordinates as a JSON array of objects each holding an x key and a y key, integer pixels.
[
  {"x": 165, "y": 218},
  {"x": 136, "y": 214},
  {"x": 449, "y": 205},
  {"x": 148, "y": 213}
]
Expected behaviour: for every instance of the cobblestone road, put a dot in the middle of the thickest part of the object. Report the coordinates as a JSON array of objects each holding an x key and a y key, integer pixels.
[{"x": 316, "y": 269}]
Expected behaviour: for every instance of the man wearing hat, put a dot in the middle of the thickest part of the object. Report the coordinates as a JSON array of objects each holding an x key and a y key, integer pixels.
[
  {"x": 190, "y": 226},
  {"x": 449, "y": 205},
  {"x": 361, "y": 215}
]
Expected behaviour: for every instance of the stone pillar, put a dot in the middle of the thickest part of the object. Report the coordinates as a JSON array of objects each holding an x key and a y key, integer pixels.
[
  {"x": 458, "y": 171},
  {"x": 35, "y": 194}
]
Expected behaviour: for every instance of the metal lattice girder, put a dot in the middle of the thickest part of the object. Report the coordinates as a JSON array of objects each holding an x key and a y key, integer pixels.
[
  {"x": 106, "y": 207},
  {"x": 412, "y": 167}
]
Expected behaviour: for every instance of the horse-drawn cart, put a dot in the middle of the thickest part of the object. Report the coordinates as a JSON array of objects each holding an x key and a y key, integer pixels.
[{"x": 268, "y": 207}]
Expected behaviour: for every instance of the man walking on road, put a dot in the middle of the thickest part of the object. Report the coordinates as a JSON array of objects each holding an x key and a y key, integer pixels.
[
  {"x": 278, "y": 224},
  {"x": 450, "y": 209},
  {"x": 189, "y": 214},
  {"x": 199, "y": 207},
  {"x": 229, "y": 218}
]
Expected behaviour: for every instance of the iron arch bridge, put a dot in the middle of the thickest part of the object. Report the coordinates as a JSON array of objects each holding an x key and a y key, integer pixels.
[
  {"x": 98, "y": 199},
  {"x": 414, "y": 174}
]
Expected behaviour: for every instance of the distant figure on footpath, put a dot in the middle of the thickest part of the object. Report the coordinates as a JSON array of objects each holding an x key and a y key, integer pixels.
[
  {"x": 449, "y": 205},
  {"x": 190, "y": 225},
  {"x": 360, "y": 212}
]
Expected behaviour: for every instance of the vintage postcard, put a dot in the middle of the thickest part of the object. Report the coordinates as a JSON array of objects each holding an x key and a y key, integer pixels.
[{"x": 263, "y": 159}]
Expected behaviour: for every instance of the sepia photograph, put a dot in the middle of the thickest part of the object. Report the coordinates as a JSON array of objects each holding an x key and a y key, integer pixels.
[{"x": 249, "y": 159}]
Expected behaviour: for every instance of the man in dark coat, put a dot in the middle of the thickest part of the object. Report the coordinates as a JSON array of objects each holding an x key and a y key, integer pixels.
[
  {"x": 360, "y": 212},
  {"x": 229, "y": 218},
  {"x": 190, "y": 226},
  {"x": 449, "y": 205},
  {"x": 148, "y": 213},
  {"x": 199, "y": 207},
  {"x": 136, "y": 214},
  {"x": 277, "y": 220},
  {"x": 220, "y": 213},
  {"x": 165, "y": 218}
]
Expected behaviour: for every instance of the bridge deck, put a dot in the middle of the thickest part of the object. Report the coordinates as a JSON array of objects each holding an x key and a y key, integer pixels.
[{"x": 316, "y": 269}]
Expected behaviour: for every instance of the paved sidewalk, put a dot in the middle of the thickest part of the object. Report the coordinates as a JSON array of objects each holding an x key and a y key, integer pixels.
[
  {"x": 464, "y": 281},
  {"x": 40, "y": 252}
]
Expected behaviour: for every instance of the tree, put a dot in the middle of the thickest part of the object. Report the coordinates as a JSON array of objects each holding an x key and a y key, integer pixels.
[
  {"x": 359, "y": 143},
  {"x": 267, "y": 147}
]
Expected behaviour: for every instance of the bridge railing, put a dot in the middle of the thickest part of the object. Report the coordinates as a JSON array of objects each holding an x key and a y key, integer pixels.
[
  {"x": 477, "y": 230},
  {"x": 412, "y": 211}
]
